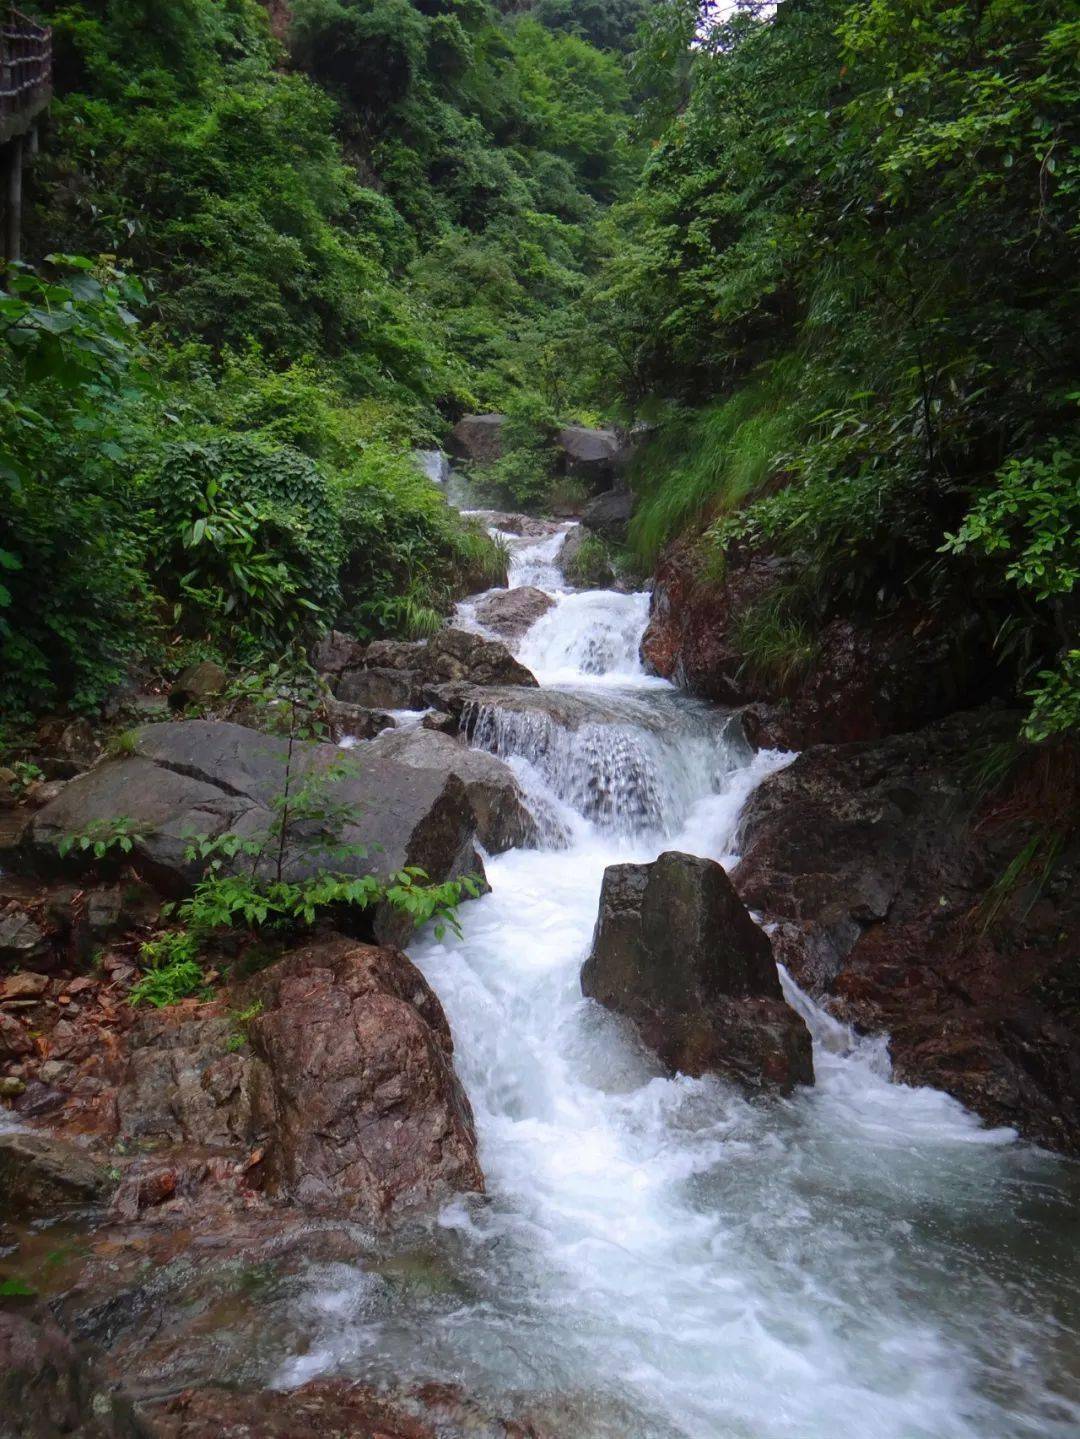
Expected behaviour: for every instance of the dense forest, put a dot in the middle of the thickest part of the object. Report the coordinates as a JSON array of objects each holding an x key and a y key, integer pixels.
[{"x": 826, "y": 255}]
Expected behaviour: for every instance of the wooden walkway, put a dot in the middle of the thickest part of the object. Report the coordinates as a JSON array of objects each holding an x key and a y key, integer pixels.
[{"x": 26, "y": 75}]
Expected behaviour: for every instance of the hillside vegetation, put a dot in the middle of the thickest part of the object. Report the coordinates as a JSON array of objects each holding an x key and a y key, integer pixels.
[
  {"x": 825, "y": 251},
  {"x": 269, "y": 263},
  {"x": 847, "y": 295}
]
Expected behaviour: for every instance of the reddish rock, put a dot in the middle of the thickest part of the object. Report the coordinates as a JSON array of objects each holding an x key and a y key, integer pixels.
[
  {"x": 329, "y": 1407},
  {"x": 370, "y": 1118},
  {"x": 14, "y": 1038},
  {"x": 866, "y": 679},
  {"x": 24, "y": 985},
  {"x": 48, "y": 1388},
  {"x": 512, "y": 612},
  {"x": 676, "y": 952},
  {"x": 877, "y": 867}
]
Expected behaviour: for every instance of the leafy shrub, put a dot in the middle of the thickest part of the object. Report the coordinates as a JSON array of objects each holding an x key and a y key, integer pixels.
[
  {"x": 171, "y": 971},
  {"x": 407, "y": 555},
  {"x": 74, "y": 601},
  {"x": 247, "y": 539}
]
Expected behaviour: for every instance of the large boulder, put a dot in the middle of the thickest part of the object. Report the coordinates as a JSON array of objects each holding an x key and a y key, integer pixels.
[
  {"x": 187, "y": 1082},
  {"x": 345, "y": 1087},
  {"x": 595, "y": 456},
  {"x": 511, "y": 613},
  {"x": 876, "y": 867},
  {"x": 208, "y": 778},
  {"x": 400, "y": 674},
  {"x": 370, "y": 1118},
  {"x": 39, "y": 1175},
  {"x": 502, "y": 821},
  {"x": 608, "y": 515},
  {"x": 478, "y": 439},
  {"x": 380, "y": 689},
  {"x": 677, "y": 954}
]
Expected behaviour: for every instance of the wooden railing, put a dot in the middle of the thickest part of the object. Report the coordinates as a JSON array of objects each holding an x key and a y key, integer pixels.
[{"x": 25, "y": 72}]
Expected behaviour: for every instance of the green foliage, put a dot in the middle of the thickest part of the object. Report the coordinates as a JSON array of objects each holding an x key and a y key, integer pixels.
[
  {"x": 406, "y": 555},
  {"x": 846, "y": 285},
  {"x": 171, "y": 971},
  {"x": 1055, "y": 708},
  {"x": 1030, "y": 519},
  {"x": 523, "y": 476},
  {"x": 591, "y": 566},
  {"x": 777, "y": 640},
  {"x": 73, "y": 594},
  {"x": 103, "y": 838},
  {"x": 247, "y": 540},
  {"x": 25, "y": 775}
]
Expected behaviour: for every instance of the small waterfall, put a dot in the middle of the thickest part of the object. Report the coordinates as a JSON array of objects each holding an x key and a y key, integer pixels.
[
  {"x": 596, "y": 634},
  {"x": 621, "y": 763}
]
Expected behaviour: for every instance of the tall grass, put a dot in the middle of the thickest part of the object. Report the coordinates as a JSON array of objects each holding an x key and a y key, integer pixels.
[{"x": 704, "y": 463}]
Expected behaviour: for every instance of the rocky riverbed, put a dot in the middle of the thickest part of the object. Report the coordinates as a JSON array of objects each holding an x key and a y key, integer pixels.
[{"x": 600, "y": 1166}]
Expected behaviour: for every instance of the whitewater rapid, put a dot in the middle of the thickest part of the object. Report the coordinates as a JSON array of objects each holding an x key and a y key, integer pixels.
[{"x": 661, "y": 1258}]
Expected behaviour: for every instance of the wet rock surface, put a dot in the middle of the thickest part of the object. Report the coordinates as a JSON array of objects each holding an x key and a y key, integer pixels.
[
  {"x": 333, "y": 1407},
  {"x": 49, "y": 1388},
  {"x": 859, "y": 680},
  {"x": 511, "y": 613},
  {"x": 369, "y": 1117},
  {"x": 876, "y": 866},
  {"x": 39, "y": 1174},
  {"x": 676, "y": 953},
  {"x": 502, "y": 820},
  {"x": 402, "y": 674}
]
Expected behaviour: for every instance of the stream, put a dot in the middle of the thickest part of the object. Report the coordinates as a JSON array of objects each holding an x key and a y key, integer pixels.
[{"x": 661, "y": 1258}]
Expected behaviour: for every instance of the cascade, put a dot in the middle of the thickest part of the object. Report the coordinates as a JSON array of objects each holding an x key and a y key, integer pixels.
[{"x": 662, "y": 1258}]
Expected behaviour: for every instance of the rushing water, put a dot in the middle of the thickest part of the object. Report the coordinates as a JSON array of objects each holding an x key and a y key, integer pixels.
[{"x": 661, "y": 1258}]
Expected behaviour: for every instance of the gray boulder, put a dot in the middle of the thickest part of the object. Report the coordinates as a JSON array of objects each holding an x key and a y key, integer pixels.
[
  {"x": 478, "y": 438},
  {"x": 502, "y": 821},
  {"x": 39, "y": 1174},
  {"x": 676, "y": 952},
  {"x": 198, "y": 777},
  {"x": 197, "y": 683},
  {"x": 608, "y": 515},
  {"x": 389, "y": 689}
]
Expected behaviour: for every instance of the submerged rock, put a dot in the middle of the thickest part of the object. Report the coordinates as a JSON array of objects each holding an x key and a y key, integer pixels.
[
  {"x": 875, "y": 866},
  {"x": 676, "y": 952}
]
